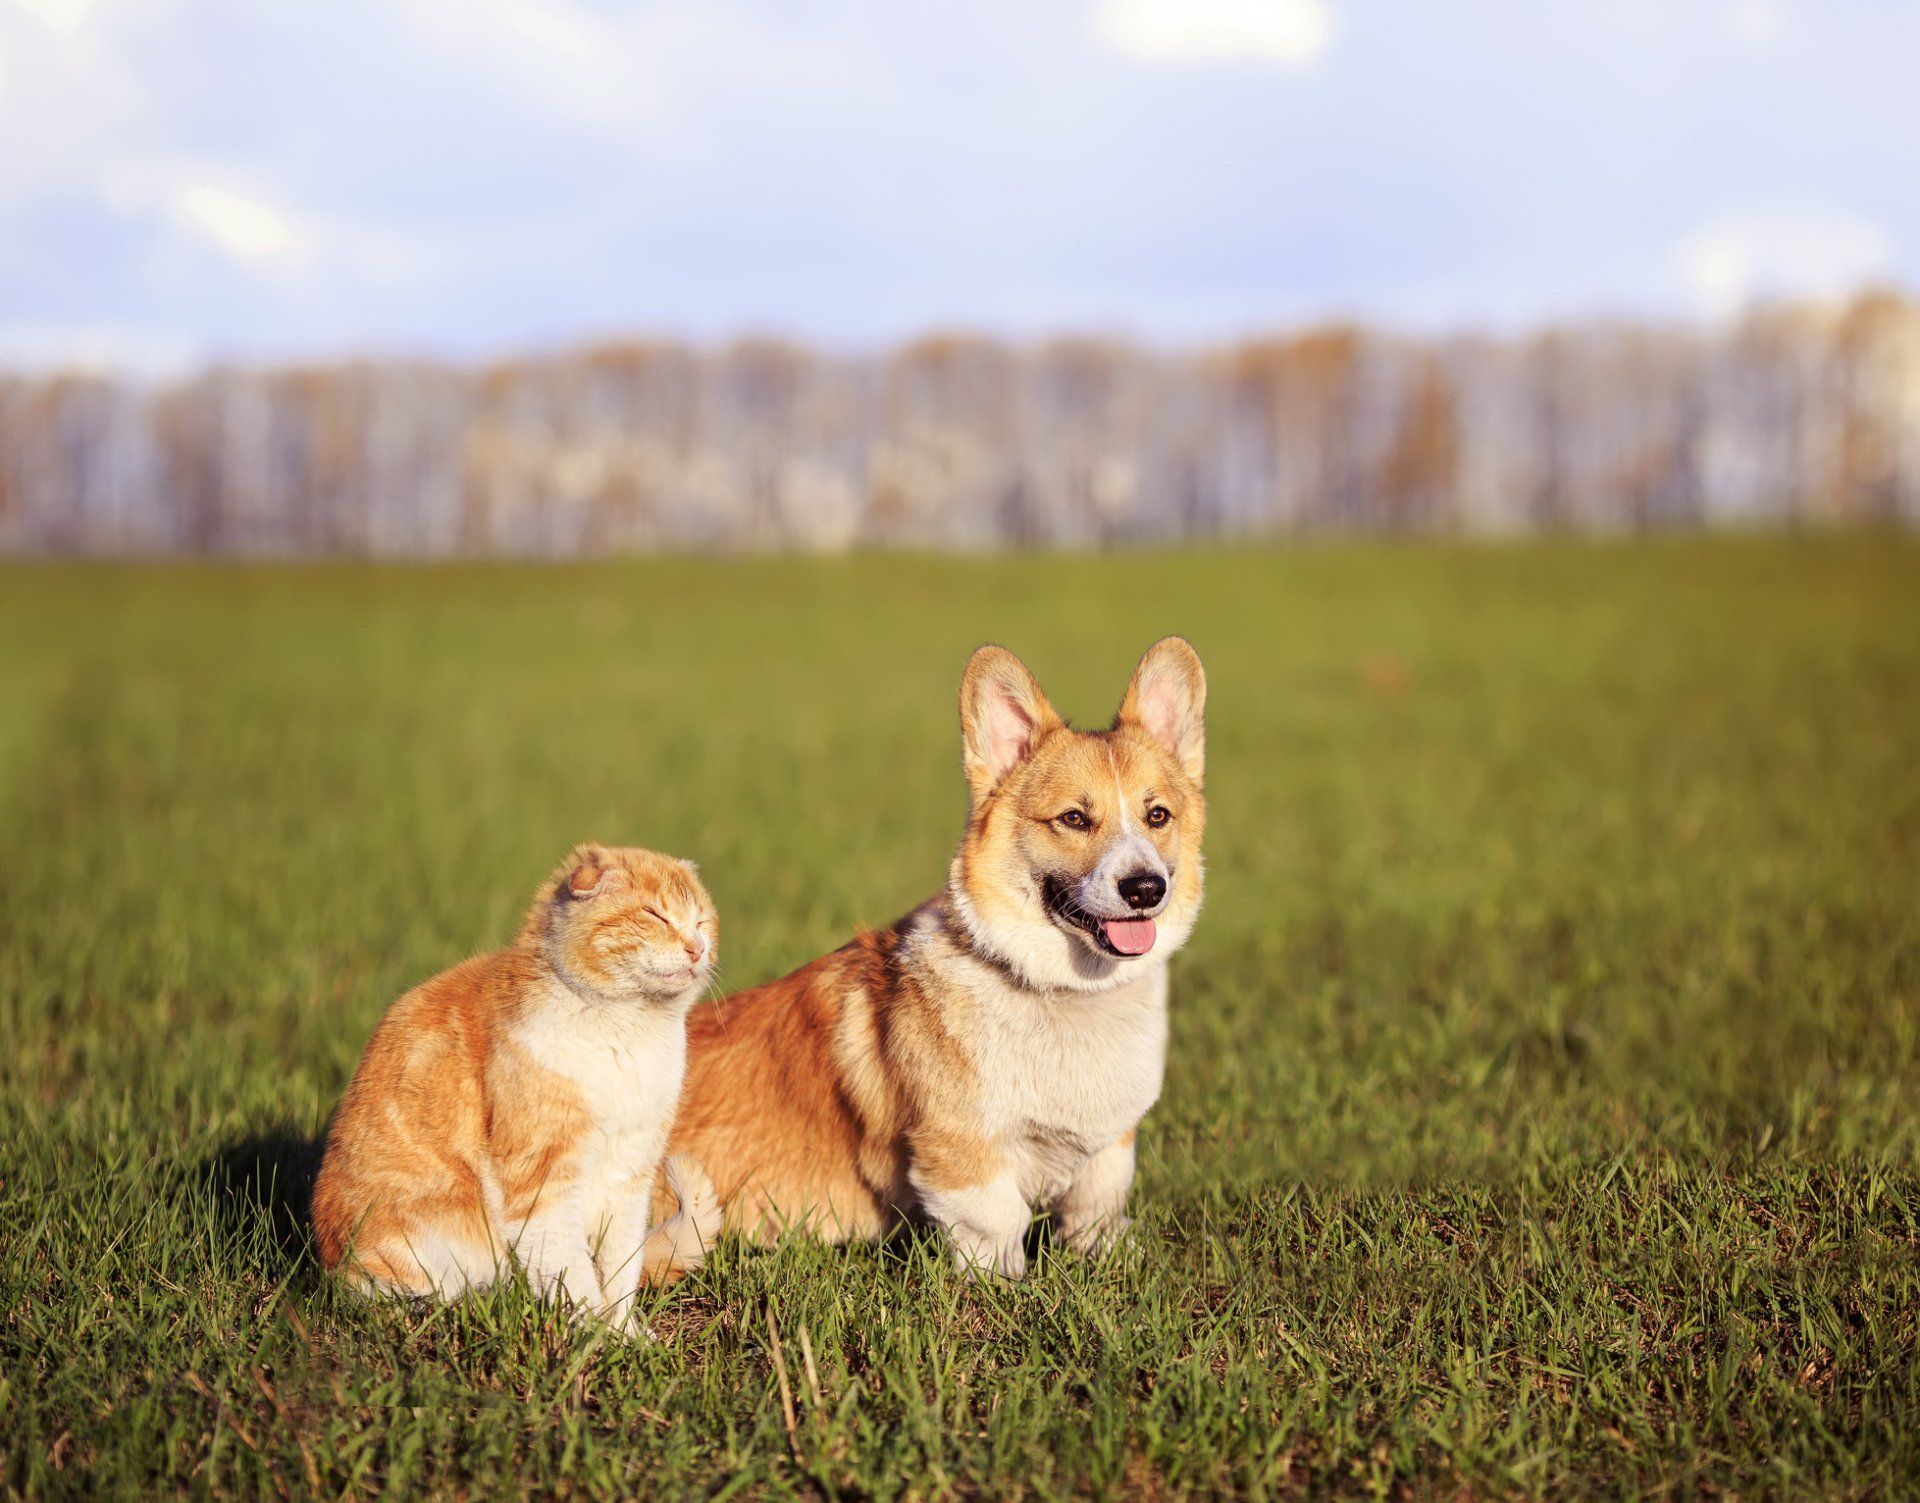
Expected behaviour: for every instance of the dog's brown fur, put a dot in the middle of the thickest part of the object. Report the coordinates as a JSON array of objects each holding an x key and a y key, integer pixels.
[{"x": 982, "y": 1054}]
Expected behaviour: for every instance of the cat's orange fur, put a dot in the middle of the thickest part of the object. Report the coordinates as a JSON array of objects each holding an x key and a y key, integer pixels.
[{"x": 519, "y": 1105}]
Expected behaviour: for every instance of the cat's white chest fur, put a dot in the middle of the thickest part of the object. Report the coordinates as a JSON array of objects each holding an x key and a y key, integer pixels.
[{"x": 626, "y": 1060}]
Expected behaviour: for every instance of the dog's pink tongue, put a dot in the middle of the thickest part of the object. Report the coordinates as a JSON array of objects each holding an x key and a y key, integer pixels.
[{"x": 1129, "y": 936}]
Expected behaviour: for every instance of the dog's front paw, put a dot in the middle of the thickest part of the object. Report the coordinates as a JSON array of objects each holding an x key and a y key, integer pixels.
[
  {"x": 1100, "y": 1238},
  {"x": 1006, "y": 1261}
]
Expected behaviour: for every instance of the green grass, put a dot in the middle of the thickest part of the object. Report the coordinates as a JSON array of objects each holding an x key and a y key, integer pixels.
[{"x": 1541, "y": 1116}]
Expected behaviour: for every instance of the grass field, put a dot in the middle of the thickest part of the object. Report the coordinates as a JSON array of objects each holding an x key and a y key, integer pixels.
[{"x": 1541, "y": 1116}]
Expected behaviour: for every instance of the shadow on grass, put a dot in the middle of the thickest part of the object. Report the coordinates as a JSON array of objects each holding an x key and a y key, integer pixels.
[
  {"x": 262, "y": 1188},
  {"x": 916, "y": 1244}
]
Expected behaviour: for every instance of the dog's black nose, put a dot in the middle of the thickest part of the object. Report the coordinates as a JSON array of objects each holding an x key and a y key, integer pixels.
[{"x": 1143, "y": 889}]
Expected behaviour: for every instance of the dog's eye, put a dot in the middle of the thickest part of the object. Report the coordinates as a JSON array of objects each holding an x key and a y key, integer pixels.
[
  {"x": 1073, "y": 819},
  {"x": 1158, "y": 815}
]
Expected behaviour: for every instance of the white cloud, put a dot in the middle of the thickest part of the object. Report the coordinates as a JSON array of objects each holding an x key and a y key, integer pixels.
[
  {"x": 65, "y": 99},
  {"x": 57, "y": 15},
  {"x": 1800, "y": 253},
  {"x": 201, "y": 201},
  {"x": 1291, "y": 32},
  {"x": 1758, "y": 23},
  {"x": 243, "y": 227},
  {"x": 574, "y": 62}
]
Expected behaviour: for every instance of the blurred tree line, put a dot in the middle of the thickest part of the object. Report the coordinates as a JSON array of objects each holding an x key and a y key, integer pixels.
[{"x": 1792, "y": 415}]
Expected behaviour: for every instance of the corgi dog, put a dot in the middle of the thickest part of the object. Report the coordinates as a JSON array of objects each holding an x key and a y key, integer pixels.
[
  {"x": 519, "y": 1105},
  {"x": 995, "y": 1050}
]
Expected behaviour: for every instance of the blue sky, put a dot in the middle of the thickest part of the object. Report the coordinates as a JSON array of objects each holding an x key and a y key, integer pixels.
[{"x": 186, "y": 179}]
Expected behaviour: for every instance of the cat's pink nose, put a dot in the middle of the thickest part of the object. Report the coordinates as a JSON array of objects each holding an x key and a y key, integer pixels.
[{"x": 695, "y": 952}]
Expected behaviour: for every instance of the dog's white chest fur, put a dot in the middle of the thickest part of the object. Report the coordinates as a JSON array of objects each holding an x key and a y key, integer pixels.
[{"x": 1064, "y": 1075}]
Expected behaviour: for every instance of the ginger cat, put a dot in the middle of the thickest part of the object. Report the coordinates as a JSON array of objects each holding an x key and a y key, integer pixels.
[{"x": 519, "y": 1104}]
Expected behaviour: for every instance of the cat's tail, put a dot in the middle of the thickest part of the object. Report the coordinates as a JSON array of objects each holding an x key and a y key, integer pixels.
[{"x": 677, "y": 1246}]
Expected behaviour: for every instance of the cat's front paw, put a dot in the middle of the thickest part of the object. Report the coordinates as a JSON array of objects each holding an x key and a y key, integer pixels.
[
  {"x": 622, "y": 1317},
  {"x": 632, "y": 1326},
  {"x": 578, "y": 1298}
]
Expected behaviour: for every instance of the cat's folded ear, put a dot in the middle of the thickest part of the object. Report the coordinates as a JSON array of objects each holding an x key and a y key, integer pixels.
[{"x": 586, "y": 872}]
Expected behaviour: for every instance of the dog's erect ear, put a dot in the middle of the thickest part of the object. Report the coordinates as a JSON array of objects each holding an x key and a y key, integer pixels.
[
  {"x": 1003, "y": 717},
  {"x": 1167, "y": 698}
]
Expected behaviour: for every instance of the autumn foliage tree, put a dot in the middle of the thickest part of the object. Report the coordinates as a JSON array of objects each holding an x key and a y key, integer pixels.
[{"x": 956, "y": 441}]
